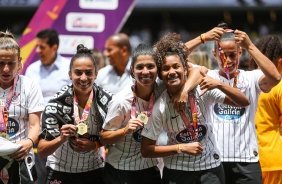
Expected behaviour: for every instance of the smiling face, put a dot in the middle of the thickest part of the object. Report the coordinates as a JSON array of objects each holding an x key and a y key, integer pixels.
[
  {"x": 173, "y": 73},
  {"x": 10, "y": 63},
  {"x": 83, "y": 74},
  {"x": 145, "y": 70},
  {"x": 232, "y": 54}
]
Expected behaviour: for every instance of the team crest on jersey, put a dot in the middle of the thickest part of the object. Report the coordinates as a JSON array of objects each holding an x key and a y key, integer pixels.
[
  {"x": 16, "y": 99},
  {"x": 137, "y": 135},
  {"x": 241, "y": 86},
  {"x": 227, "y": 112},
  {"x": 66, "y": 109},
  {"x": 185, "y": 136},
  {"x": 96, "y": 118},
  {"x": 68, "y": 100},
  {"x": 12, "y": 127}
]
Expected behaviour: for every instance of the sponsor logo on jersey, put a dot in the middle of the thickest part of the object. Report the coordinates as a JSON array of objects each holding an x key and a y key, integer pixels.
[
  {"x": 185, "y": 137},
  {"x": 137, "y": 135},
  {"x": 12, "y": 127},
  {"x": 228, "y": 112}
]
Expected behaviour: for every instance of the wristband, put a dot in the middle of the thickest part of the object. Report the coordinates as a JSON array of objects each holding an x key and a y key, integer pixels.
[
  {"x": 31, "y": 141},
  {"x": 203, "y": 38},
  {"x": 178, "y": 149}
]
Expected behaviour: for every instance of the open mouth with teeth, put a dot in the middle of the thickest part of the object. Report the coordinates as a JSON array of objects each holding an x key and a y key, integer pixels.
[{"x": 84, "y": 84}]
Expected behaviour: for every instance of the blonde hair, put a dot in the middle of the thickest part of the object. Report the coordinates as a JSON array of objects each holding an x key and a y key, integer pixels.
[{"x": 201, "y": 58}]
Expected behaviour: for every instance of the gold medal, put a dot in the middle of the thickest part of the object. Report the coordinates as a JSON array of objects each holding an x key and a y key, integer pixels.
[
  {"x": 81, "y": 128},
  {"x": 143, "y": 117},
  {"x": 4, "y": 135}
]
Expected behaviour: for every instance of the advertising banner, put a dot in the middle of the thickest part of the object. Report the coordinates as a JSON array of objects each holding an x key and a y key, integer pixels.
[{"x": 88, "y": 22}]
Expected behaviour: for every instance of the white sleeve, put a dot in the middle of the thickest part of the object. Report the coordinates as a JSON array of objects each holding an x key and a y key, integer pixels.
[
  {"x": 35, "y": 98},
  {"x": 118, "y": 112},
  {"x": 154, "y": 126}
]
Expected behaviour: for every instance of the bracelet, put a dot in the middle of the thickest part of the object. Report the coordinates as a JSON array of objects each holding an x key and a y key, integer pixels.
[
  {"x": 203, "y": 38},
  {"x": 178, "y": 149},
  {"x": 123, "y": 132},
  {"x": 31, "y": 141}
]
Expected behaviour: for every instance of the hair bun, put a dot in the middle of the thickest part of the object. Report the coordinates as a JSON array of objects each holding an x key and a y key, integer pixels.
[
  {"x": 223, "y": 25},
  {"x": 81, "y": 49}
]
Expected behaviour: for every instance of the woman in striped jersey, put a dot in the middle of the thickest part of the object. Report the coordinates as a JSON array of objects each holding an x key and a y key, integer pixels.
[
  {"x": 190, "y": 154},
  {"x": 128, "y": 111},
  {"x": 21, "y": 104},
  {"x": 71, "y": 123}
]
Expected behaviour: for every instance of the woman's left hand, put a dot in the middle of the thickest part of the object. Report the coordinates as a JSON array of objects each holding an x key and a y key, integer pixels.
[
  {"x": 179, "y": 100},
  {"x": 242, "y": 39},
  {"x": 26, "y": 145},
  {"x": 82, "y": 144}
]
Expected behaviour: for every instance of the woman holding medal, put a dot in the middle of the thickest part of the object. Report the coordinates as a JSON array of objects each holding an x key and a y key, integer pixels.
[
  {"x": 21, "y": 104},
  {"x": 129, "y": 110},
  {"x": 71, "y": 123},
  {"x": 189, "y": 155}
]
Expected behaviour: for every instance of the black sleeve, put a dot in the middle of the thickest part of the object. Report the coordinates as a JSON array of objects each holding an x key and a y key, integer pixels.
[{"x": 54, "y": 116}]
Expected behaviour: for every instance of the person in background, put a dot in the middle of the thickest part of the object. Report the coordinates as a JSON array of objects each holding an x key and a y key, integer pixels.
[
  {"x": 116, "y": 76},
  {"x": 268, "y": 116},
  {"x": 51, "y": 73},
  {"x": 99, "y": 58},
  {"x": 50, "y": 70},
  {"x": 71, "y": 125},
  {"x": 189, "y": 154},
  {"x": 21, "y": 105},
  {"x": 234, "y": 128},
  {"x": 201, "y": 58}
]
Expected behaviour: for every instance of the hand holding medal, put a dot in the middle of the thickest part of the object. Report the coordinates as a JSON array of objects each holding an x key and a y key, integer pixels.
[{"x": 82, "y": 127}]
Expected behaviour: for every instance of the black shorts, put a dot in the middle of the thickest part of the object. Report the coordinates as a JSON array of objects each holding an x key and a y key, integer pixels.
[
  {"x": 90, "y": 177},
  {"x": 209, "y": 176},
  {"x": 145, "y": 176},
  {"x": 242, "y": 172}
]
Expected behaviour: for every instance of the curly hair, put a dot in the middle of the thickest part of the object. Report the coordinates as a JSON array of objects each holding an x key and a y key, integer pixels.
[
  {"x": 170, "y": 44},
  {"x": 271, "y": 47}
]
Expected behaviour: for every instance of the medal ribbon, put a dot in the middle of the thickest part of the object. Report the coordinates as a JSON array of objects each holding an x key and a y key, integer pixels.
[
  {"x": 86, "y": 108},
  {"x": 193, "y": 107},
  {"x": 149, "y": 110},
  {"x": 5, "y": 114},
  {"x": 224, "y": 61}
]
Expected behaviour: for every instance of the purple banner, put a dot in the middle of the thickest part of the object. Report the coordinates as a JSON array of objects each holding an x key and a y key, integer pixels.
[{"x": 89, "y": 22}]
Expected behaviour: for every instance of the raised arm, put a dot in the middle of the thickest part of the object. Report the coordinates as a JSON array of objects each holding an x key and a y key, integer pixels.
[
  {"x": 212, "y": 35},
  {"x": 233, "y": 97},
  {"x": 271, "y": 75}
]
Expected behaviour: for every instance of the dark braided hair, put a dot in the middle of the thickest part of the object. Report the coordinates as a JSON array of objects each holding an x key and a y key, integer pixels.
[
  {"x": 170, "y": 44},
  {"x": 81, "y": 52},
  {"x": 271, "y": 47}
]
